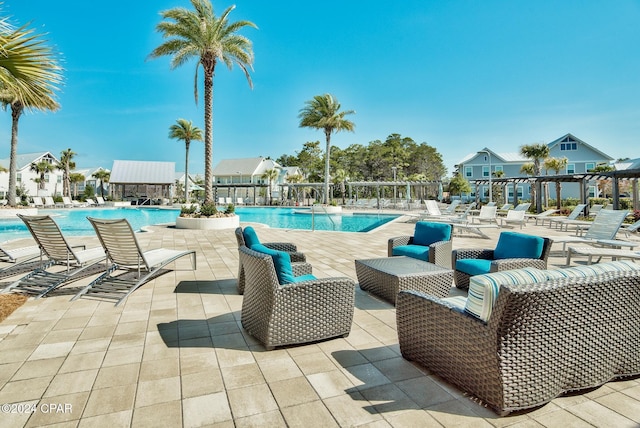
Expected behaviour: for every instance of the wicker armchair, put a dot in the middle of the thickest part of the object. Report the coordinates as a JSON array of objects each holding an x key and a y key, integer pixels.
[
  {"x": 541, "y": 340},
  {"x": 298, "y": 259},
  {"x": 497, "y": 263},
  {"x": 438, "y": 252},
  {"x": 294, "y": 313}
]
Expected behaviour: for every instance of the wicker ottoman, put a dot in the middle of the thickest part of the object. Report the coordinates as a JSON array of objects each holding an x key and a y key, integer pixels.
[{"x": 385, "y": 277}]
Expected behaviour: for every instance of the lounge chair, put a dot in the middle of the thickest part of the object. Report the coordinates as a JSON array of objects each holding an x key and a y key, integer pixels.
[
  {"x": 542, "y": 216},
  {"x": 124, "y": 254},
  {"x": 303, "y": 311},
  {"x": 90, "y": 202},
  {"x": 602, "y": 231},
  {"x": 66, "y": 202},
  {"x": 16, "y": 257},
  {"x": 487, "y": 214},
  {"x": 595, "y": 209},
  {"x": 558, "y": 220},
  {"x": 629, "y": 228},
  {"x": 513, "y": 217},
  {"x": 248, "y": 238},
  {"x": 55, "y": 247},
  {"x": 523, "y": 206},
  {"x": 239, "y": 201},
  {"x": 49, "y": 202},
  {"x": 37, "y": 201},
  {"x": 505, "y": 208},
  {"x": 100, "y": 200},
  {"x": 591, "y": 252}
]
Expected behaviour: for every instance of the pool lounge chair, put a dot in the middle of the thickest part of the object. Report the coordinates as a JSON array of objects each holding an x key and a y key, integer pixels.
[
  {"x": 128, "y": 267},
  {"x": 487, "y": 214},
  {"x": 90, "y": 202},
  {"x": 100, "y": 200},
  {"x": 558, "y": 220},
  {"x": 55, "y": 247},
  {"x": 37, "y": 201},
  {"x": 513, "y": 217},
  {"x": 602, "y": 231},
  {"x": 16, "y": 258},
  {"x": 542, "y": 216}
]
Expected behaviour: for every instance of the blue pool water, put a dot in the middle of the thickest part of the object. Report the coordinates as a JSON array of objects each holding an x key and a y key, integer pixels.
[{"x": 74, "y": 221}]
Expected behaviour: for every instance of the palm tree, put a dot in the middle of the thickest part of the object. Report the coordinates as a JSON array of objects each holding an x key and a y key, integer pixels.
[
  {"x": 269, "y": 175},
  {"x": 295, "y": 178},
  {"x": 340, "y": 177},
  {"x": 201, "y": 34},
  {"x": 29, "y": 75},
  {"x": 185, "y": 131},
  {"x": 42, "y": 168},
  {"x": 323, "y": 112},
  {"x": 103, "y": 175},
  {"x": 556, "y": 165},
  {"x": 76, "y": 178},
  {"x": 537, "y": 153},
  {"x": 66, "y": 164}
]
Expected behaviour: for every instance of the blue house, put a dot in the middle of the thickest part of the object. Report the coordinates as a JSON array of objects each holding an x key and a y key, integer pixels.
[{"x": 581, "y": 157}]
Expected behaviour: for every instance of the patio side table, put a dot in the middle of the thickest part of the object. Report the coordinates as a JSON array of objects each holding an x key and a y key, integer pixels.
[{"x": 385, "y": 277}]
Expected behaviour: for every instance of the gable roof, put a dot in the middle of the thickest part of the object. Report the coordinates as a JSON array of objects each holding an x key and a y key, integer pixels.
[
  {"x": 570, "y": 138},
  {"x": 495, "y": 157},
  {"x": 142, "y": 172},
  {"x": 24, "y": 160},
  {"x": 244, "y": 166}
]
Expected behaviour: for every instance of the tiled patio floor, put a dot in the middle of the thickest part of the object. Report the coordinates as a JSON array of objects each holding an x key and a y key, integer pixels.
[{"x": 175, "y": 355}]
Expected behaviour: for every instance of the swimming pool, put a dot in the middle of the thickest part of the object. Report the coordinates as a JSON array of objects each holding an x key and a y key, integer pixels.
[{"x": 74, "y": 221}]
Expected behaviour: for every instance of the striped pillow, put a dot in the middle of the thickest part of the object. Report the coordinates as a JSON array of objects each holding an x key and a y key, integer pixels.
[
  {"x": 592, "y": 270},
  {"x": 483, "y": 289}
]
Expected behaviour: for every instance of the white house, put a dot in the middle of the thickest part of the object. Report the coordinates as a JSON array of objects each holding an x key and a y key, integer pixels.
[{"x": 26, "y": 178}]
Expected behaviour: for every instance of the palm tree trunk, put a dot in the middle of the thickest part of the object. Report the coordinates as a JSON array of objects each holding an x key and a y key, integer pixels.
[
  {"x": 208, "y": 135},
  {"x": 186, "y": 172},
  {"x": 16, "y": 111},
  {"x": 327, "y": 134}
]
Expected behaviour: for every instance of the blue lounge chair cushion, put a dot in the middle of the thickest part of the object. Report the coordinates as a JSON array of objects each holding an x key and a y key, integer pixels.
[
  {"x": 281, "y": 262},
  {"x": 513, "y": 245},
  {"x": 473, "y": 266},
  {"x": 250, "y": 237},
  {"x": 426, "y": 233},
  {"x": 419, "y": 252}
]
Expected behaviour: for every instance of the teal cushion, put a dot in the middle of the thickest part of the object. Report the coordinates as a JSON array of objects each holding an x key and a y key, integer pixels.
[
  {"x": 250, "y": 237},
  {"x": 473, "y": 266},
  {"x": 426, "y": 233},
  {"x": 513, "y": 245},
  {"x": 414, "y": 251},
  {"x": 301, "y": 278},
  {"x": 281, "y": 262}
]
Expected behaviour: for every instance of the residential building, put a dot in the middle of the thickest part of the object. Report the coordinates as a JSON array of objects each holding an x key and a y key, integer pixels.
[
  {"x": 232, "y": 177},
  {"x": 28, "y": 179},
  {"x": 581, "y": 157}
]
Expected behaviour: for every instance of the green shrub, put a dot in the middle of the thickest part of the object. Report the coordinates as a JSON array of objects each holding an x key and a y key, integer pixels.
[
  {"x": 208, "y": 209},
  {"x": 230, "y": 209},
  {"x": 188, "y": 210}
]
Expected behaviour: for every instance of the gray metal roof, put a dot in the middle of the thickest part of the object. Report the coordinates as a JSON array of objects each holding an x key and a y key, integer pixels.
[
  {"x": 244, "y": 166},
  {"x": 142, "y": 172}
]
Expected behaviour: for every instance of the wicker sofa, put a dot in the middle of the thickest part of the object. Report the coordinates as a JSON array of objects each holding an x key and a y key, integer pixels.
[
  {"x": 307, "y": 311},
  {"x": 298, "y": 259},
  {"x": 558, "y": 331}
]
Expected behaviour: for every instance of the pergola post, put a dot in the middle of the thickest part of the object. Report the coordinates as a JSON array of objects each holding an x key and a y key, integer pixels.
[{"x": 615, "y": 188}]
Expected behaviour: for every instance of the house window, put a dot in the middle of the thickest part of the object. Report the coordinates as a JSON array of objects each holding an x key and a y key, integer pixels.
[
  {"x": 592, "y": 191},
  {"x": 589, "y": 166},
  {"x": 571, "y": 168},
  {"x": 19, "y": 177},
  {"x": 497, "y": 168},
  {"x": 569, "y": 146},
  {"x": 485, "y": 171},
  {"x": 519, "y": 192},
  {"x": 46, "y": 178},
  {"x": 468, "y": 171},
  {"x": 59, "y": 177}
]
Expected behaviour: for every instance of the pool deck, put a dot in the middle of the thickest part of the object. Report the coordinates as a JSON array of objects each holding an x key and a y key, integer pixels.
[{"x": 174, "y": 354}]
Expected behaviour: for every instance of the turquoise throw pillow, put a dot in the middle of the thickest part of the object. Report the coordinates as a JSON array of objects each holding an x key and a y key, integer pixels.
[
  {"x": 426, "y": 233},
  {"x": 250, "y": 237},
  {"x": 514, "y": 245},
  {"x": 281, "y": 262},
  {"x": 307, "y": 277}
]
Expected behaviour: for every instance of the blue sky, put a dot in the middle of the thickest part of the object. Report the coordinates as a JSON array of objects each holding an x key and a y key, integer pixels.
[{"x": 458, "y": 75}]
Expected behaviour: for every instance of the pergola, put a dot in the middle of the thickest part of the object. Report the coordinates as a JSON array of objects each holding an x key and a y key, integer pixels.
[
  {"x": 240, "y": 188},
  {"x": 583, "y": 179}
]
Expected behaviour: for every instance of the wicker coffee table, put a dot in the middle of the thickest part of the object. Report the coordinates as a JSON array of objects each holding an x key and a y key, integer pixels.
[{"x": 385, "y": 277}]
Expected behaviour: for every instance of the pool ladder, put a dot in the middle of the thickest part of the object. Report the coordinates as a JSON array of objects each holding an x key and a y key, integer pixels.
[{"x": 313, "y": 219}]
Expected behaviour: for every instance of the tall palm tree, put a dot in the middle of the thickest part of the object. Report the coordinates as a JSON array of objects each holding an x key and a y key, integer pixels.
[
  {"x": 269, "y": 175},
  {"x": 340, "y": 178},
  {"x": 185, "y": 131},
  {"x": 76, "y": 178},
  {"x": 103, "y": 175},
  {"x": 295, "y": 178},
  {"x": 537, "y": 153},
  {"x": 556, "y": 165},
  {"x": 29, "y": 75},
  {"x": 323, "y": 112},
  {"x": 66, "y": 165},
  {"x": 203, "y": 35},
  {"x": 42, "y": 168}
]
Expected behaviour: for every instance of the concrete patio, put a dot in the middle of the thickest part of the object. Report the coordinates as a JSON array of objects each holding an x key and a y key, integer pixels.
[{"x": 175, "y": 354}]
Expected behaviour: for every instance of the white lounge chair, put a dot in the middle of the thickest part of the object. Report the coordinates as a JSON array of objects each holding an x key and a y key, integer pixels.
[
  {"x": 100, "y": 200},
  {"x": 542, "y": 216},
  {"x": 487, "y": 214},
  {"x": 49, "y": 202},
  {"x": 90, "y": 202},
  {"x": 16, "y": 257},
  {"x": 66, "y": 202},
  {"x": 239, "y": 201},
  {"x": 55, "y": 247},
  {"x": 602, "y": 231},
  {"x": 558, "y": 220},
  {"x": 37, "y": 201},
  {"x": 125, "y": 256},
  {"x": 513, "y": 217}
]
